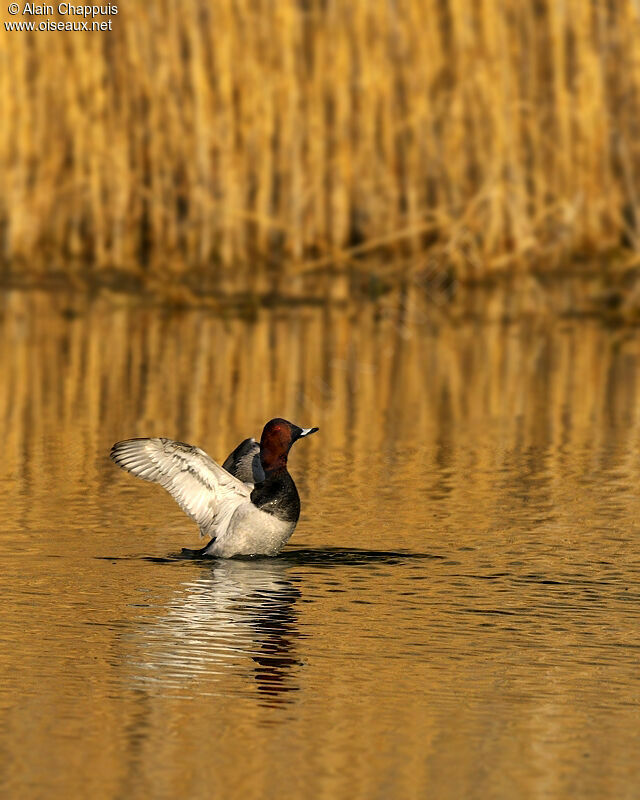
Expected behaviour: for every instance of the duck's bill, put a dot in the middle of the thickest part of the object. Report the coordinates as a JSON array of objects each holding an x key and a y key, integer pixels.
[{"x": 307, "y": 431}]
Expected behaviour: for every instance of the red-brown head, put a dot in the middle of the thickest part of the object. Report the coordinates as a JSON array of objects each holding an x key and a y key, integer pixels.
[{"x": 276, "y": 440}]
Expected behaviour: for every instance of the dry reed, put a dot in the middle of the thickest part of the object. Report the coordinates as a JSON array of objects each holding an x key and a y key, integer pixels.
[{"x": 227, "y": 144}]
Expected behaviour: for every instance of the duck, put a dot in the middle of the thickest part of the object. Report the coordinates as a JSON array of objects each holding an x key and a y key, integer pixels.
[{"x": 249, "y": 506}]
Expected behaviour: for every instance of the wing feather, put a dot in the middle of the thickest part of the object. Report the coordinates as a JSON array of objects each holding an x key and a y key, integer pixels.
[
  {"x": 244, "y": 462},
  {"x": 202, "y": 488}
]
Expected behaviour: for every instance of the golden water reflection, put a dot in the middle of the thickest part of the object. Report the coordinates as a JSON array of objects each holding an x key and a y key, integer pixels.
[{"x": 456, "y": 614}]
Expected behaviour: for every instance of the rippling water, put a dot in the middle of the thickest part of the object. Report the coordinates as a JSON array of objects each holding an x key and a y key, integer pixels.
[{"x": 456, "y": 615}]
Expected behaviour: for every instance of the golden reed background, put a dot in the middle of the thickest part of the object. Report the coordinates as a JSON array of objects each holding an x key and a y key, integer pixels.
[{"x": 234, "y": 144}]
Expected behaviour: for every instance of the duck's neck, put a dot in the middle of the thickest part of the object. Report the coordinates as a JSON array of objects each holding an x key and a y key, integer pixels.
[
  {"x": 277, "y": 494},
  {"x": 273, "y": 464}
]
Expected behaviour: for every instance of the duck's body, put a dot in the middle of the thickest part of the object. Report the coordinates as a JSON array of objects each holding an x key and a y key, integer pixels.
[
  {"x": 250, "y": 506},
  {"x": 251, "y": 532}
]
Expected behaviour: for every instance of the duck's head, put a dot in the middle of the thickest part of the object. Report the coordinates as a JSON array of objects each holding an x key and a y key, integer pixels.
[{"x": 277, "y": 437}]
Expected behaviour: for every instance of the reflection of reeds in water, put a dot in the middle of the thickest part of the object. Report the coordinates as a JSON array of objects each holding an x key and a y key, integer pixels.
[
  {"x": 474, "y": 423},
  {"x": 217, "y": 144},
  {"x": 369, "y": 378}
]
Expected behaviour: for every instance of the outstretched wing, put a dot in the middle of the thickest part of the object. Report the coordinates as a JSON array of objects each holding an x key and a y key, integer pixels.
[
  {"x": 244, "y": 462},
  {"x": 202, "y": 488}
]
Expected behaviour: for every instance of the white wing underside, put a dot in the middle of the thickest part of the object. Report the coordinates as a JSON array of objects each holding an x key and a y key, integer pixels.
[{"x": 202, "y": 488}]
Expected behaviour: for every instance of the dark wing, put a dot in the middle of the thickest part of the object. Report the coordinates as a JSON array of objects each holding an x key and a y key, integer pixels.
[{"x": 244, "y": 462}]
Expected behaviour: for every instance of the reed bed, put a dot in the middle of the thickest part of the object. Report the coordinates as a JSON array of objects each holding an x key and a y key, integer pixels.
[{"x": 230, "y": 144}]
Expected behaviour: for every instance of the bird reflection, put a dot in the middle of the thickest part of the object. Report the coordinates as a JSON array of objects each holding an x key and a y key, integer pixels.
[
  {"x": 268, "y": 608},
  {"x": 232, "y": 610},
  {"x": 237, "y": 611}
]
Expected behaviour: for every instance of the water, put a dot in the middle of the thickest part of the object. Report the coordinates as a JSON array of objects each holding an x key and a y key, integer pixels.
[{"x": 456, "y": 615}]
